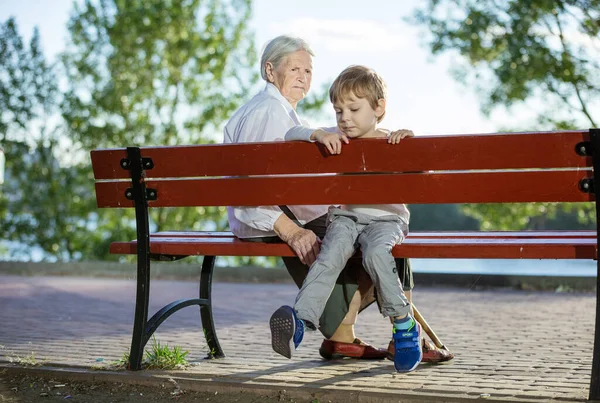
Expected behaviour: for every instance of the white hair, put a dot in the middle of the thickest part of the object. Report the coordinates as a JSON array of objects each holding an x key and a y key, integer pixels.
[{"x": 278, "y": 49}]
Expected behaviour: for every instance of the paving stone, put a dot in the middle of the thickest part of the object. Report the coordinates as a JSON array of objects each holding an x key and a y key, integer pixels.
[{"x": 505, "y": 341}]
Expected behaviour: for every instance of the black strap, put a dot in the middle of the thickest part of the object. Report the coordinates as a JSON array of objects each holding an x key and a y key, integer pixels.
[{"x": 290, "y": 215}]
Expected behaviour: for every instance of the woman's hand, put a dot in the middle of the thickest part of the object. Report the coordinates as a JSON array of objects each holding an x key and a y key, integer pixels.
[
  {"x": 396, "y": 136},
  {"x": 305, "y": 243},
  {"x": 332, "y": 141}
]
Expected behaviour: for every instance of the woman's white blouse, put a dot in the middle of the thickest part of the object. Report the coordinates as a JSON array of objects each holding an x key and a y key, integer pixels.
[{"x": 266, "y": 117}]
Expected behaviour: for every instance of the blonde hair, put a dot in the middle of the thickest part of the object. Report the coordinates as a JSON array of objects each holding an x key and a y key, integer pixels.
[{"x": 362, "y": 82}]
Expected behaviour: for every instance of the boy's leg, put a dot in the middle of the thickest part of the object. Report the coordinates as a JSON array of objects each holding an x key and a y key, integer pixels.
[
  {"x": 337, "y": 247},
  {"x": 377, "y": 240},
  {"x": 336, "y": 318},
  {"x": 353, "y": 292},
  {"x": 287, "y": 324},
  {"x": 339, "y": 305}
]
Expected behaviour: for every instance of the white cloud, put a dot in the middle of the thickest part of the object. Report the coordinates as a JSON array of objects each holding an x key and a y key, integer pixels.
[{"x": 345, "y": 34}]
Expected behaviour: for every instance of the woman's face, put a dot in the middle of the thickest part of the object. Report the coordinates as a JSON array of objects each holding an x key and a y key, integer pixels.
[{"x": 293, "y": 76}]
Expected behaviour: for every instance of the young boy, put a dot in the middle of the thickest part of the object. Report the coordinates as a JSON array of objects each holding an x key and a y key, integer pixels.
[{"x": 358, "y": 95}]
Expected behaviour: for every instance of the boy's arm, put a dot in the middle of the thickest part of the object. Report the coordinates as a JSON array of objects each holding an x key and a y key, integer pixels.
[
  {"x": 331, "y": 138},
  {"x": 305, "y": 133}
]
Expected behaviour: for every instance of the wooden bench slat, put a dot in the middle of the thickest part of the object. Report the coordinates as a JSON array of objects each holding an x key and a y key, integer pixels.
[
  {"x": 451, "y": 152},
  {"x": 478, "y": 187},
  {"x": 192, "y": 234},
  {"x": 414, "y": 234},
  {"x": 475, "y": 248}
]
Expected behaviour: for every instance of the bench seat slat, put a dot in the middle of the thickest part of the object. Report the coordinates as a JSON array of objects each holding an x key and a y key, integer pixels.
[
  {"x": 413, "y": 234},
  {"x": 468, "y": 187},
  {"x": 450, "y": 152},
  {"x": 429, "y": 247}
]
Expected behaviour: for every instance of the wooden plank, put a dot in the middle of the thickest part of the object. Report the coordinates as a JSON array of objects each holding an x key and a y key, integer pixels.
[
  {"x": 193, "y": 234},
  {"x": 450, "y": 152},
  {"x": 552, "y": 248},
  {"x": 467, "y": 187},
  {"x": 503, "y": 234},
  {"x": 414, "y": 234}
]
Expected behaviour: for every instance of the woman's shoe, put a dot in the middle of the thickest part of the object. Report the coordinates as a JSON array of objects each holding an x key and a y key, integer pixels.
[{"x": 357, "y": 349}]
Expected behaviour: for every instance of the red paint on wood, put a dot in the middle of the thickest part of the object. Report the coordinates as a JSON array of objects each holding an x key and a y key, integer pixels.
[
  {"x": 450, "y": 152},
  {"x": 466, "y": 187},
  {"x": 509, "y": 248}
]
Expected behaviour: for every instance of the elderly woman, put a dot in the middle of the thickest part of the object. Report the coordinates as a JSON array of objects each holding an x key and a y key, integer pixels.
[{"x": 286, "y": 66}]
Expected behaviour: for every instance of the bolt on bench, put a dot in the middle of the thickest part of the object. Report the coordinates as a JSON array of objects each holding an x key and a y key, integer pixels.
[{"x": 486, "y": 168}]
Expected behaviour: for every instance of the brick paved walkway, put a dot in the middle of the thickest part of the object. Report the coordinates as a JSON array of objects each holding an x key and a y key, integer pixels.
[{"x": 506, "y": 347}]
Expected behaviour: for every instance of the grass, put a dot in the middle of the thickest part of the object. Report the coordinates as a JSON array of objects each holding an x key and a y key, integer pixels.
[
  {"x": 161, "y": 357},
  {"x": 26, "y": 361},
  {"x": 211, "y": 352},
  {"x": 157, "y": 357}
]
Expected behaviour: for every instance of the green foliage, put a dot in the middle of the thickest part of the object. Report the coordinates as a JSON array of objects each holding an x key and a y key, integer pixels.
[
  {"x": 118, "y": 365},
  {"x": 522, "y": 49},
  {"x": 38, "y": 210},
  {"x": 542, "y": 52},
  {"x": 135, "y": 73},
  {"x": 27, "y": 84},
  {"x": 157, "y": 357},
  {"x": 440, "y": 217},
  {"x": 155, "y": 73},
  {"x": 162, "y": 357},
  {"x": 25, "y": 361},
  {"x": 533, "y": 216},
  {"x": 316, "y": 103},
  {"x": 35, "y": 210}
]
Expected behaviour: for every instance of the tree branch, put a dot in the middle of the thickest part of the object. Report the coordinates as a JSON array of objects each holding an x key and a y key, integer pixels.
[{"x": 583, "y": 108}]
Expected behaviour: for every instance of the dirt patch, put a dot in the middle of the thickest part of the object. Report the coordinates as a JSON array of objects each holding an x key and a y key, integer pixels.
[{"x": 24, "y": 389}]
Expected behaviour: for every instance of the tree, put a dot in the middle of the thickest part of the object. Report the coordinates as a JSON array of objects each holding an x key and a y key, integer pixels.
[
  {"x": 524, "y": 49},
  {"x": 27, "y": 83},
  {"x": 35, "y": 211},
  {"x": 540, "y": 52},
  {"x": 313, "y": 106},
  {"x": 154, "y": 72}
]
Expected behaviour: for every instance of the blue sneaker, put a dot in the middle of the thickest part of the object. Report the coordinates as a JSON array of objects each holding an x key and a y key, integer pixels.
[
  {"x": 286, "y": 331},
  {"x": 407, "y": 345}
]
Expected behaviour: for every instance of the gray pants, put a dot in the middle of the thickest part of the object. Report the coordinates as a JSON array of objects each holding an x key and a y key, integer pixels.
[{"x": 345, "y": 233}]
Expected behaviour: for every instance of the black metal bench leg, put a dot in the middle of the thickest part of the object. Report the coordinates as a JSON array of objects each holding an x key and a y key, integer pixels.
[
  {"x": 206, "y": 316},
  {"x": 138, "y": 340},
  {"x": 595, "y": 380},
  {"x": 137, "y": 193}
]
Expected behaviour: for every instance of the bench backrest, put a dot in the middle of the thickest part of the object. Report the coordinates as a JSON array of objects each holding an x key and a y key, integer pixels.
[{"x": 511, "y": 167}]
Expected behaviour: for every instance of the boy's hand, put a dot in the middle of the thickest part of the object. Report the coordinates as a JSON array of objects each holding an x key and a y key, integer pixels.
[
  {"x": 396, "y": 136},
  {"x": 332, "y": 141}
]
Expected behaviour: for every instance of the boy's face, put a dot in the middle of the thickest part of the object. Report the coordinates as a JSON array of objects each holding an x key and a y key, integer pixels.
[{"x": 356, "y": 117}]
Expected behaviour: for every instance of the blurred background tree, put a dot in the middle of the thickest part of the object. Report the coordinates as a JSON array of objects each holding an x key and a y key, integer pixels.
[
  {"x": 134, "y": 72},
  {"x": 35, "y": 210},
  {"x": 173, "y": 71},
  {"x": 538, "y": 53},
  {"x": 155, "y": 73}
]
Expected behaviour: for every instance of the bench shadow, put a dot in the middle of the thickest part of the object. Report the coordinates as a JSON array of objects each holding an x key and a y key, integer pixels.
[{"x": 44, "y": 313}]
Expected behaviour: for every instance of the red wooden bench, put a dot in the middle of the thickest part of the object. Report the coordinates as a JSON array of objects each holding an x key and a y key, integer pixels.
[{"x": 490, "y": 168}]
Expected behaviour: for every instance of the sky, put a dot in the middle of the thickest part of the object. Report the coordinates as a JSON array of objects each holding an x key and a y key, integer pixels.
[{"x": 422, "y": 95}]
